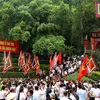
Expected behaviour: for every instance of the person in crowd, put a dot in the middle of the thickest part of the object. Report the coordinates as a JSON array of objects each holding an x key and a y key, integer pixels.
[
  {"x": 21, "y": 95},
  {"x": 48, "y": 91},
  {"x": 92, "y": 92},
  {"x": 65, "y": 96},
  {"x": 52, "y": 89},
  {"x": 13, "y": 86},
  {"x": 97, "y": 92},
  {"x": 12, "y": 95},
  {"x": 71, "y": 95},
  {"x": 52, "y": 96},
  {"x": 61, "y": 90},
  {"x": 81, "y": 93},
  {"x": 42, "y": 91},
  {"x": 30, "y": 95},
  {"x": 4, "y": 92},
  {"x": 25, "y": 89},
  {"x": 17, "y": 88},
  {"x": 36, "y": 93}
]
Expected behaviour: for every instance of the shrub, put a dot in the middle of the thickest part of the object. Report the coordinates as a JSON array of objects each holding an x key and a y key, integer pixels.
[{"x": 17, "y": 75}]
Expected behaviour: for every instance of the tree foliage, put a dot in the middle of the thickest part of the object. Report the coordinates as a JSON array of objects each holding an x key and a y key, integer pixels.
[
  {"x": 49, "y": 44},
  {"x": 31, "y": 21}
]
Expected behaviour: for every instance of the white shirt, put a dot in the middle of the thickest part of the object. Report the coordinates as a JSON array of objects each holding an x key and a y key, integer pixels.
[
  {"x": 51, "y": 75},
  {"x": 69, "y": 70},
  {"x": 59, "y": 71},
  {"x": 13, "y": 87},
  {"x": 3, "y": 94},
  {"x": 61, "y": 91},
  {"x": 92, "y": 91},
  {"x": 22, "y": 96},
  {"x": 17, "y": 89},
  {"x": 75, "y": 67},
  {"x": 11, "y": 96},
  {"x": 57, "y": 68},
  {"x": 43, "y": 94},
  {"x": 79, "y": 63},
  {"x": 97, "y": 93},
  {"x": 53, "y": 71},
  {"x": 64, "y": 98},
  {"x": 25, "y": 91},
  {"x": 36, "y": 95},
  {"x": 72, "y": 69}
]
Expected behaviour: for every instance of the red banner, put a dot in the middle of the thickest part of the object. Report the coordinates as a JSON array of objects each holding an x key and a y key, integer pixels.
[{"x": 9, "y": 45}]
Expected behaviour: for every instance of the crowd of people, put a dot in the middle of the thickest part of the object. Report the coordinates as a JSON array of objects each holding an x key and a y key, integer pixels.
[
  {"x": 53, "y": 86},
  {"x": 49, "y": 89},
  {"x": 69, "y": 66}
]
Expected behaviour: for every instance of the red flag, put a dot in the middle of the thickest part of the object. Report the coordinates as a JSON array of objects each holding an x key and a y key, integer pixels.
[
  {"x": 4, "y": 62},
  {"x": 60, "y": 58},
  {"x": 7, "y": 63},
  {"x": 91, "y": 65},
  {"x": 28, "y": 62},
  {"x": 54, "y": 61},
  {"x": 35, "y": 65},
  {"x": 38, "y": 66},
  {"x": 21, "y": 63},
  {"x": 20, "y": 59},
  {"x": 23, "y": 66},
  {"x": 83, "y": 69}
]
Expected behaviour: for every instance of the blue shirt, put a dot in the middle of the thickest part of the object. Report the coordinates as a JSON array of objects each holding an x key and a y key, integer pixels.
[{"x": 82, "y": 94}]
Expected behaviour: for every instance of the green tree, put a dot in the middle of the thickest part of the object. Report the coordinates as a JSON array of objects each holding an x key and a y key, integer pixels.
[
  {"x": 20, "y": 32},
  {"x": 7, "y": 15},
  {"x": 60, "y": 16},
  {"x": 49, "y": 44},
  {"x": 29, "y": 20}
]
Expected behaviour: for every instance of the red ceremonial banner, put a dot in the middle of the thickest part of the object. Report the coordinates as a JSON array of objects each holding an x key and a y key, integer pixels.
[
  {"x": 9, "y": 46},
  {"x": 97, "y": 9}
]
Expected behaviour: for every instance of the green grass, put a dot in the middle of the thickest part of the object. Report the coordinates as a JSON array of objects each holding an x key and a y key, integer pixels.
[{"x": 94, "y": 77}]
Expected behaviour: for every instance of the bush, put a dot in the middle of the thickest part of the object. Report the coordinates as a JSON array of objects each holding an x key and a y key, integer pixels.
[
  {"x": 44, "y": 66},
  {"x": 17, "y": 75},
  {"x": 14, "y": 60}
]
